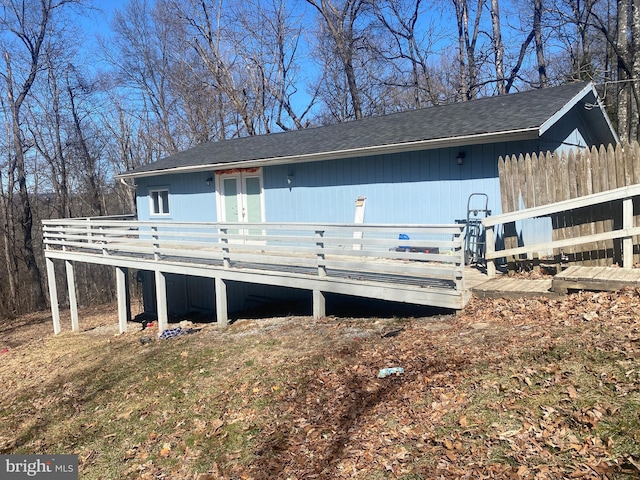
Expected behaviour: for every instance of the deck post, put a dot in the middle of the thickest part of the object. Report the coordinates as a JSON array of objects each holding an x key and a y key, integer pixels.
[
  {"x": 320, "y": 258},
  {"x": 490, "y": 247},
  {"x": 124, "y": 300},
  {"x": 226, "y": 263},
  {"x": 53, "y": 296},
  {"x": 319, "y": 304},
  {"x": 161, "y": 298},
  {"x": 73, "y": 299},
  {"x": 627, "y": 242},
  {"x": 222, "y": 312}
]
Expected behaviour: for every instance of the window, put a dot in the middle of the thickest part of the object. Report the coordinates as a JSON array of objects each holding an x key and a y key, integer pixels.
[{"x": 159, "y": 202}]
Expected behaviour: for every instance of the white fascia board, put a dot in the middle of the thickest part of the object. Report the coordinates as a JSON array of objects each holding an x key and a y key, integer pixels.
[
  {"x": 589, "y": 88},
  {"x": 567, "y": 106},
  {"x": 477, "y": 139},
  {"x": 606, "y": 117}
]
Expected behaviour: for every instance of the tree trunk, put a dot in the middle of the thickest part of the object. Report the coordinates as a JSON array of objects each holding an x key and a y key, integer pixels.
[
  {"x": 634, "y": 114},
  {"x": 25, "y": 216},
  {"x": 8, "y": 238},
  {"x": 88, "y": 162},
  {"x": 340, "y": 23},
  {"x": 498, "y": 48},
  {"x": 537, "y": 29}
]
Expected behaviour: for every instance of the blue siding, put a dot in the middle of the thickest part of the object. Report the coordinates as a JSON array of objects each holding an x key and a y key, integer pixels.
[
  {"x": 190, "y": 198},
  {"x": 414, "y": 187}
]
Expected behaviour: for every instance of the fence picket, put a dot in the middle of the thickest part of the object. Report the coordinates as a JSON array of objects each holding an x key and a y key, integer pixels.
[{"x": 542, "y": 178}]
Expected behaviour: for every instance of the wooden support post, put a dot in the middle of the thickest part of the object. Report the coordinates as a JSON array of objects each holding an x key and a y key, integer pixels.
[
  {"x": 490, "y": 248},
  {"x": 124, "y": 300},
  {"x": 319, "y": 304},
  {"x": 627, "y": 242},
  {"x": 73, "y": 299},
  {"x": 53, "y": 296},
  {"x": 322, "y": 268},
  {"x": 161, "y": 298},
  {"x": 222, "y": 313},
  {"x": 226, "y": 262}
]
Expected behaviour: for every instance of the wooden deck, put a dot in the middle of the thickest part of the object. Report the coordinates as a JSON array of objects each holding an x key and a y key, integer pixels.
[
  {"x": 574, "y": 278},
  {"x": 357, "y": 260},
  {"x": 367, "y": 261},
  {"x": 504, "y": 286},
  {"x": 596, "y": 278}
]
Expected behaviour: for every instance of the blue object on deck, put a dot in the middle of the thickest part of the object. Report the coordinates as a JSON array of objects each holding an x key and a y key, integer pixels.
[{"x": 404, "y": 236}]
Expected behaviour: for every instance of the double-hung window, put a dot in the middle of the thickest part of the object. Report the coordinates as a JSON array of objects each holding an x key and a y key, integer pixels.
[{"x": 159, "y": 199}]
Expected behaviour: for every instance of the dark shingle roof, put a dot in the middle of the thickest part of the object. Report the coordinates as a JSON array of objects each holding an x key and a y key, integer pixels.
[{"x": 490, "y": 115}]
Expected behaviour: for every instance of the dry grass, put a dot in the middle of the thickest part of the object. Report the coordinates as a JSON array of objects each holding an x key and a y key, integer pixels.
[{"x": 526, "y": 389}]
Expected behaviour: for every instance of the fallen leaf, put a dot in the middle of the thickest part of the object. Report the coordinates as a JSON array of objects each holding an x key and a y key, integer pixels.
[
  {"x": 216, "y": 425},
  {"x": 166, "y": 450}
]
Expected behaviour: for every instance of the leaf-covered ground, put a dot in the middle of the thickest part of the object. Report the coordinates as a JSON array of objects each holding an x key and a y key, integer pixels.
[{"x": 532, "y": 388}]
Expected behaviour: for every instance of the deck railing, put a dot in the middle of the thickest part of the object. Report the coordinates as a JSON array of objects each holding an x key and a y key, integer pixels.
[
  {"x": 623, "y": 196},
  {"x": 356, "y": 250}
]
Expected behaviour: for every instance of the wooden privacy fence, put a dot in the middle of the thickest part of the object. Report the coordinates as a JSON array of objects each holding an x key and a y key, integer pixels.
[{"x": 536, "y": 180}]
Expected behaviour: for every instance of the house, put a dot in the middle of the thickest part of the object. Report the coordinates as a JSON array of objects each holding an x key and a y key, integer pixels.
[
  {"x": 415, "y": 167},
  {"x": 356, "y": 194}
]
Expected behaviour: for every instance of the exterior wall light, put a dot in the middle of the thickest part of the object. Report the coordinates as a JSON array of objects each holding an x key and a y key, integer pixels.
[
  {"x": 460, "y": 158},
  {"x": 289, "y": 179},
  {"x": 209, "y": 180}
]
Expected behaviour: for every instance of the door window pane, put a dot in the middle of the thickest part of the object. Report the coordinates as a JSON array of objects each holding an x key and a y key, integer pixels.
[
  {"x": 254, "y": 213},
  {"x": 231, "y": 210}
]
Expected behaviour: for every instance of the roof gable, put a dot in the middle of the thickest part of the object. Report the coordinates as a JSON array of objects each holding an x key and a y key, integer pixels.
[{"x": 519, "y": 115}]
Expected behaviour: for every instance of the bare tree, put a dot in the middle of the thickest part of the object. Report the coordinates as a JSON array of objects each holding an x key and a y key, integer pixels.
[
  {"x": 340, "y": 20},
  {"x": 498, "y": 47},
  {"x": 28, "y": 27},
  {"x": 279, "y": 34},
  {"x": 467, "y": 42},
  {"x": 407, "y": 49},
  {"x": 142, "y": 61},
  {"x": 539, "y": 43}
]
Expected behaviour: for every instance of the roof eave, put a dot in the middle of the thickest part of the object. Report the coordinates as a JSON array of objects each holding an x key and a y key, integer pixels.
[
  {"x": 589, "y": 88},
  {"x": 484, "y": 138}
]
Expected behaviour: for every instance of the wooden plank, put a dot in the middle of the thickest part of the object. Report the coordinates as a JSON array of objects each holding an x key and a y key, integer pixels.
[
  {"x": 319, "y": 304},
  {"x": 558, "y": 220},
  {"x": 161, "y": 301},
  {"x": 566, "y": 197},
  {"x": 565, "y": 243},
  {"x": 53, "y": 296},
  {"x": 572, "y": 203},
  {"x": 602, "y": 173},
  {"x": 73, "y": 298},
  {"x": 606, "y": 274},
  {"x": 123, "y": 299},
  {"x": 222, "y": 305},
  {"x": 598, "y": 210}
]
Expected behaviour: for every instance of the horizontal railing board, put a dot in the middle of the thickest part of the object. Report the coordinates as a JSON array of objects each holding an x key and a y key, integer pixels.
[
  {"x": 596, "y": 237},
  {"x": 563, "y": 206}
]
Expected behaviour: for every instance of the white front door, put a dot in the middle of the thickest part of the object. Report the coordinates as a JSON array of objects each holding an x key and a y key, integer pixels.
[{"x": 240, "y": 197}]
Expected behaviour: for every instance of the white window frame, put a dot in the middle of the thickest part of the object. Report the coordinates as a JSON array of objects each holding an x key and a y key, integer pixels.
[{"x": 157, "y": 205}]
